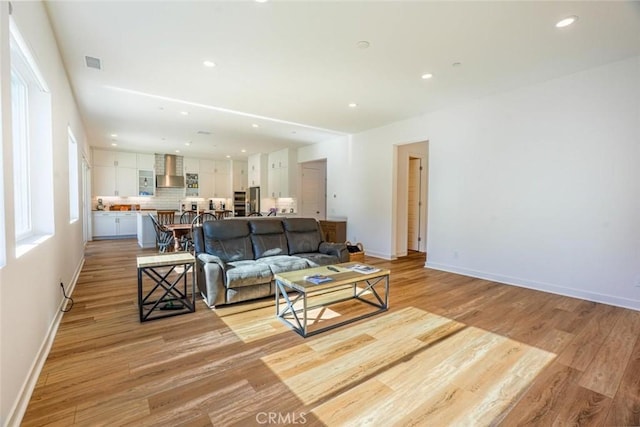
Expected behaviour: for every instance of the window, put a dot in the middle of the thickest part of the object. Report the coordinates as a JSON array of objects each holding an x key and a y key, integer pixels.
[
  {"x": 21, "y": 185},
  {"x": 74, "y": 199},
  {"x": 32, "y": 147}
]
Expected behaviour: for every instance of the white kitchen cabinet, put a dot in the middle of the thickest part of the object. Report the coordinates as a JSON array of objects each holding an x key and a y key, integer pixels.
[
  {"x": 114, "y": 224},
  {"x": 282, "y": 174},
  {"x": 114, "y": 173},
  {"x": 104, "y": 224},
  {"x": 258, "y": 167},
  {"x": 240, "y": 176},
  {"x": 146, "y": 161},
  {"x": 126, "y": 224},
  {"x": 115, "y": 158},
  {"x": 222, "y": 179},
  {"x": 207, "y": 184},
  {"x": 191, "y": 165},
  {"x": 222, "y": 186},
  {"x": 222, "y": 167},
  {"x": 207, "y": 166}
]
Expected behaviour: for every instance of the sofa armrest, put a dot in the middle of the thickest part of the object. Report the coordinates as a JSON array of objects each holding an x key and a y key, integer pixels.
[
  {"x": 337, "y": 249},
  {"x": 211, "y": 278}
]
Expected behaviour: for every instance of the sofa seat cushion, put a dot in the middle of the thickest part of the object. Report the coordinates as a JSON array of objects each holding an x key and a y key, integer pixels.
[
  {"x": 316, "y": 259},
  {"x": 283, "y": 263},
  {"x": 247, "y": 273}
]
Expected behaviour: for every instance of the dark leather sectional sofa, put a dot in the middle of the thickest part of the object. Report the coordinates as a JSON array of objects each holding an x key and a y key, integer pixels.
[{"x": 236, "y": 259}]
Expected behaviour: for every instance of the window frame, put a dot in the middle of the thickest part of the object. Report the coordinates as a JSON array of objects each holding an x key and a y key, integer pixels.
[{"x": 32, "y": 145}]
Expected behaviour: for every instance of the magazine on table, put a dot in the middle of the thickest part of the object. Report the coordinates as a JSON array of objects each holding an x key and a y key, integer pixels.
[
  {"x": 364, "y": 269},
  {"x": 316, "y": 279}
]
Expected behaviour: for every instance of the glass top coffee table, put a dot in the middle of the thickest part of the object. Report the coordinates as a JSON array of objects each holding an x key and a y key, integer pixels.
[{"x": 369, "y": 287}]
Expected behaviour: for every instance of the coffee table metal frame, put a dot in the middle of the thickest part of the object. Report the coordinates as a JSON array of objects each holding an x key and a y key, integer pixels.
[
  {"x": 159, "y": 268},
  {"x": 294, "y": 281}
]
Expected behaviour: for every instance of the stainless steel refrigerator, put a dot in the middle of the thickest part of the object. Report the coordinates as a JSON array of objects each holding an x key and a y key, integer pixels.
[{"x": 254, "y": 199}]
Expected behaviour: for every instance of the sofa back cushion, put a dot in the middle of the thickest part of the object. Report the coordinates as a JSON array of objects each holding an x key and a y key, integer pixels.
[
  {"x": 268, "y": 238},
  {"x": 228, "y": 239},
  {"x": 303, "y": 235}
]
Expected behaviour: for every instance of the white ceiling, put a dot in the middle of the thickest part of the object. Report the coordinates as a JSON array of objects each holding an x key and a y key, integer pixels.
[{"x": 293, "y": 67}]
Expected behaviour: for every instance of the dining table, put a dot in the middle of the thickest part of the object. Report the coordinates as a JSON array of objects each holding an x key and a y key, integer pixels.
[{"x": 179, "y": 231}]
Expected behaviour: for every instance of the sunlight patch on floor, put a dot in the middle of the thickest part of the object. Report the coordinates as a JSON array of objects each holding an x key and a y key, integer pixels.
[
  {"x": 253, "y": 321},
  {"x": 407, "y": 367}
]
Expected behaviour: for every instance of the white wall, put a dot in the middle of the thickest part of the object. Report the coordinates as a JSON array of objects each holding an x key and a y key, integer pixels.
[
  {"x": 536, "y": 187},
  {"x": 540, "y": 186},
  {"x": 30, "y": 294},
  {"x": 337, "y": 154}
]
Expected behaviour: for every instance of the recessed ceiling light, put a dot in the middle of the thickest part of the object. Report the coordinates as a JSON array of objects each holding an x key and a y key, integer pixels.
[
  {"x": 426, "y": 76},
  {"x": 243, "y": 151},
  {"x": 209, "y": 64},
  {"x": 352, "y": 105},
  {"x": 184, "y": 113},
  {"x": 255, "y": 126},
  {"x": 228, "y": 156},
  {"x": 113, "y": 144},
  {"x": 363, "y": 44},
  {"x": 261, "y": 1},
  {"x": 187, "y": 143},
  {"x": 114, "y": 135},
  {"x": 177, "y": 151},
  {"x": 566, "y": 21}
]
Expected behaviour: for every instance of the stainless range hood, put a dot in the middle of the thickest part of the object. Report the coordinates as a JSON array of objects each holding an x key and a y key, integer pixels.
[{"x": 170, "y": 179}]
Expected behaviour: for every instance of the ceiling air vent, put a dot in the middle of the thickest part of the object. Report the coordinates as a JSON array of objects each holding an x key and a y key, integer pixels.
[
  {"x": 204, "y": 132},
  {"x": 93, "y": 62}
]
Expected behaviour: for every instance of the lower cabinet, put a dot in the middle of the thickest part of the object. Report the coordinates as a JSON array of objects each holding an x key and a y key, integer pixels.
[{"x": 114, "y": 224}]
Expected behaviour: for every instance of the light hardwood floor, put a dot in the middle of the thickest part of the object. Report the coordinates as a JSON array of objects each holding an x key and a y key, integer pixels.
[{"x": 451, "y": 350}]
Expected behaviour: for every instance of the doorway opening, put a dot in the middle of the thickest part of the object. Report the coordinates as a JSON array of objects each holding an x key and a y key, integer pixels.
[
  {"x": 412, "y": 195},
  {"x": 413, "y": 204}
]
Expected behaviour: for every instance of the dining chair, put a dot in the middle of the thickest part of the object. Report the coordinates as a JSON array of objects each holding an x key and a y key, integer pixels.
[
  {"x": 187, "y": 217},
  {"x": 225, "y": 214},
  {"x": 166, "y": 217},
  {"x": 164, "y": 236},
  {"x": 197, "y": 222}
]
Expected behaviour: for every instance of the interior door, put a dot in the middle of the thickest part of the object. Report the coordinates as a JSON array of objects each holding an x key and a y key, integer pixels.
[
  {"x": 413, "y": 208},
  {"x": 314, "y": 190}
]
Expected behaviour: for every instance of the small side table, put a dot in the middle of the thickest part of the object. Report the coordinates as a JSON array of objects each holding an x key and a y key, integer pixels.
[{"x": 169, "y": 294}]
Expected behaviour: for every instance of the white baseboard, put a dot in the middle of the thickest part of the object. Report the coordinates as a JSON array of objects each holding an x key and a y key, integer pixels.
[
  {"x": 540, "y": 286},
  {"x": 20, "y": 406},
  {"x": 379, "y": 255}
]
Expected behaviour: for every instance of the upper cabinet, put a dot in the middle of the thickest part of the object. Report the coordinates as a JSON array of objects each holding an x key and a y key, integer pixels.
[
  {"x": 191, "y": 165},
  {"x": 282, "y": 173},
  {"x": 222, "y": 179},
  {"x": 258, "y": 168},
  {"x": 146, "y": 174},
  {"x": 115, "y": 173},
  {"x": 240, "y": 176},
  {"x": 146, "y": 161},
  {"x": 209, "y": 178}
]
